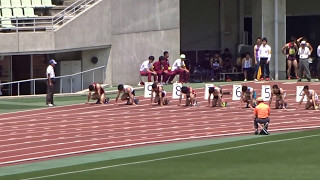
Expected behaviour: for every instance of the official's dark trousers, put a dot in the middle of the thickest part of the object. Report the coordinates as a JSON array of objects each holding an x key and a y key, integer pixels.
[{"x": 50, "y": 92}]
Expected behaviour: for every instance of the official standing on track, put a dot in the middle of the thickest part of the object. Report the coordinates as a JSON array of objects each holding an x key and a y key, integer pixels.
[
  {"x": 50, "y": 82},
  {"x": 262, "y": 113}
]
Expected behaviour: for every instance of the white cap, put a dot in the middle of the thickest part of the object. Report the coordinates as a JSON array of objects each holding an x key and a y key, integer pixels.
[
  {"x": 182, "y": 56},
  {"x": 303, "y": 42},
  {"x": 52, "y": 61}
]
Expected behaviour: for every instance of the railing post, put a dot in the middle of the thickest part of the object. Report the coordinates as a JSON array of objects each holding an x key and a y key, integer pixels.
[
  {"x": 92, "y": 76},
  {"x": 103, "y": 75},
  {"x": 18, "y": 88},
  {"x": 60, "y": 85},
  {"x": 34, "y": 87},
  {"x": 81, "y": 81},
  {"x": 34, "y": 25},
  {"x": 71, "y": 85}
]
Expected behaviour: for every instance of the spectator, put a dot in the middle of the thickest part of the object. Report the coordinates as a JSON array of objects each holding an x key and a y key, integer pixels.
[
  {"x": 167, "y": 73},
  {"x": 304, "y": 55},
  {"x": 290, "y": 50},
  {"x": 50, "y": 82},
  {"x": 256, "y": 57},
  {"x": 318, "y": 67},
  {"x": 265, "y": 57},
  {"x": 246, "y": 64},
  {"x": 238, "y": 64},
  {"x": 216, "y": 66},
  {"x": 179, "y": 67},
  {"x": 158, "y": 68},
  {"x": 147, "y": 70},
  {"x": 227, "y": 60}
]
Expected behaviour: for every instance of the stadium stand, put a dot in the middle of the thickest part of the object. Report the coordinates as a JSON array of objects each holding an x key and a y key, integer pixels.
[
  {"x": 7, "y": 13},
  {"x": 37, "y": 4},
  {"x": 16, "y": 4},
  {"x": 5, "y": 4},
  {"x": 18, "y": 13},
  {"x": 47, "y": 3},
  {"x": 29, "y": 12},
  {"x": 26, "y": 3}
]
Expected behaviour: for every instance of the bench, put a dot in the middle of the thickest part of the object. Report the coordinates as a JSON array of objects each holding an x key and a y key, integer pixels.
[{"x": 223, "y": 75}]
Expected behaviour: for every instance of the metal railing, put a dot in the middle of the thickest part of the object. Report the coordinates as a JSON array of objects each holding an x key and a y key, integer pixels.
[
  {"x": 59, "y": 78},
  {"x": 46, "y": 23}
]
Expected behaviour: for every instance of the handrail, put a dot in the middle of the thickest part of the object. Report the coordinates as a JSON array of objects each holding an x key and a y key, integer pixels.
[
  {"x": 38, "y": 23},
  {"x": 58, "y": 77}
]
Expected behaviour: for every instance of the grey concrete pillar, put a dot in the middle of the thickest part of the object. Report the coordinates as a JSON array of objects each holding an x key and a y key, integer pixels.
[{"x": 269, "y": 20}]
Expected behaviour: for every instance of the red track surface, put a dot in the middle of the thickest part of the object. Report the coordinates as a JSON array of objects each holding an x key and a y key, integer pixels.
[{"x": 70, "y": 130}]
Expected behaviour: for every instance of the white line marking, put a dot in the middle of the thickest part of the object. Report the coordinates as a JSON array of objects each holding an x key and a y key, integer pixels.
[{"x": 174, "y": 157}]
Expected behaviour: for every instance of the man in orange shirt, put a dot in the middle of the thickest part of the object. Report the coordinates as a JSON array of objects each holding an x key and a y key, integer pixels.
[{"x": 262, "y": 113}]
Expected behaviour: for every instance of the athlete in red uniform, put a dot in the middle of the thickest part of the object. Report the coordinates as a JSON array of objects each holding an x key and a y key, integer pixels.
[
  {"x": 160, "y": 95},
  {"x": 98, "y": 94}
]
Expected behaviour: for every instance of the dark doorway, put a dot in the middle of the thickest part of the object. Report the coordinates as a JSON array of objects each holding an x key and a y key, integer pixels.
[
  {"x": 21, "y": 71},
  {"x": 307, "y": 26},
  {"x": 248, "y": 28}
]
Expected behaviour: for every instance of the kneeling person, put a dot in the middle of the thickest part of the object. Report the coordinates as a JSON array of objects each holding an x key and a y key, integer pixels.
[
  {"x": 98, "y": 94},
  {"x": 280, "y": 97},
  {"x": 248, "y": 95},
  {"x": 262, "y": 113},
  {"x": 217, "y": 96},
  {"x": 128, "y": 94},
  {"x": 160, "y": 95},
  {"x": 312, "y": 98},
  {"x": 190, "y": 96}
]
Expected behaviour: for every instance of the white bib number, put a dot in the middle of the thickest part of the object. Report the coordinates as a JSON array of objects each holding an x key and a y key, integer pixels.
[
  {"x": 176, "y": 91},
  {"x": 299, "y": 94},
  {"x": 206, "y": 91},
  {"x": 147, "y": 89},
  {"x": 236, "y": 92},
  {"x": 266, "y": 92}
]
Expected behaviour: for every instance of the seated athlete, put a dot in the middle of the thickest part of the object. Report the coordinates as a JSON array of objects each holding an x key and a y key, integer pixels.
[
  {"x": 312, "y": 98},
  {"x": 98, "y": 94},
  {"x": 249, "y": 96},
  {"x": 128, "y": 95},
  {"x": 280, "y": 97},
  {"x": 160, "y": 95},
  {"x": 217, "y": 96},
  {"x": 190, "y": 96}
]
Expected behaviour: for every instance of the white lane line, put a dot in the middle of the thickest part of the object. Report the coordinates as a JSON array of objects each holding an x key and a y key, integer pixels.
[{"x": 174, "y": 157}]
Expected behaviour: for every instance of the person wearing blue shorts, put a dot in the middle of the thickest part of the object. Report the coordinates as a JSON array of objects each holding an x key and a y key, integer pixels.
[{"x": 249, "y": 96}]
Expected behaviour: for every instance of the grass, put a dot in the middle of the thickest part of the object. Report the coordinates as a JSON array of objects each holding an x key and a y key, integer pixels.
[{"x": 288, "y": 156}]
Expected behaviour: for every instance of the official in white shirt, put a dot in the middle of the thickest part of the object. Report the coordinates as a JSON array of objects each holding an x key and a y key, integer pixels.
[
  {"x": 50, "y": 82},
  {"x": 146, "y": 69},
  {"x": 265, "y": 57},
  {"x": 304, "y": 54},
  {"x": 318, "y": 66}
]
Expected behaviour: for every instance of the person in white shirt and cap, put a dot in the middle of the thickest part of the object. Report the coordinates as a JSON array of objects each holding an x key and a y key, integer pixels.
[
  {"x": 50, "y": 82},
  {"x": 179, "y": 67},
  {"x": 318, "y": 66},
  {"x": 304, "y": 55}
]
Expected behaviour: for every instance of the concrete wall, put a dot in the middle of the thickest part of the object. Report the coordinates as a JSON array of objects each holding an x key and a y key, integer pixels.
[
  {"x": 149, "y": 28},
  {"x": 90, "y": 28},
  {"x": 103, "y": 57}
]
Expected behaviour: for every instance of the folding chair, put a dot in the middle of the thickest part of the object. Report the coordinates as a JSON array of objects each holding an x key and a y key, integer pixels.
[{"x": 263, "y": 129}]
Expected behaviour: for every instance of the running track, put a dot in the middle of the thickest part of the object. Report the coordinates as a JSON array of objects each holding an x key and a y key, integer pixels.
[{"x": 72, "y": 130}]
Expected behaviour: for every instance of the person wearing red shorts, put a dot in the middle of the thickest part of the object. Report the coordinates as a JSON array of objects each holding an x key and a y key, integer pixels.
[
  {"x": 158, "y": 68},
  {"x": 147, "y": 70},
  {"x": 98, "y": 94},
  {"x": 190, "y": 96},
  {"x": 160, "y": 95},
  {"x": 167, "y": 73},
  {"x": 179, "y": 67},
  {"x": 290, "y": 50}
]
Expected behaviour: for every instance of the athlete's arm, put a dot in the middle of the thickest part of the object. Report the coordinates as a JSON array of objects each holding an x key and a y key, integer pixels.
[
  {"x": 89, "y": 96},
  {"x": 303, "y": 94},
  {"x": 117, "y": 97}
]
